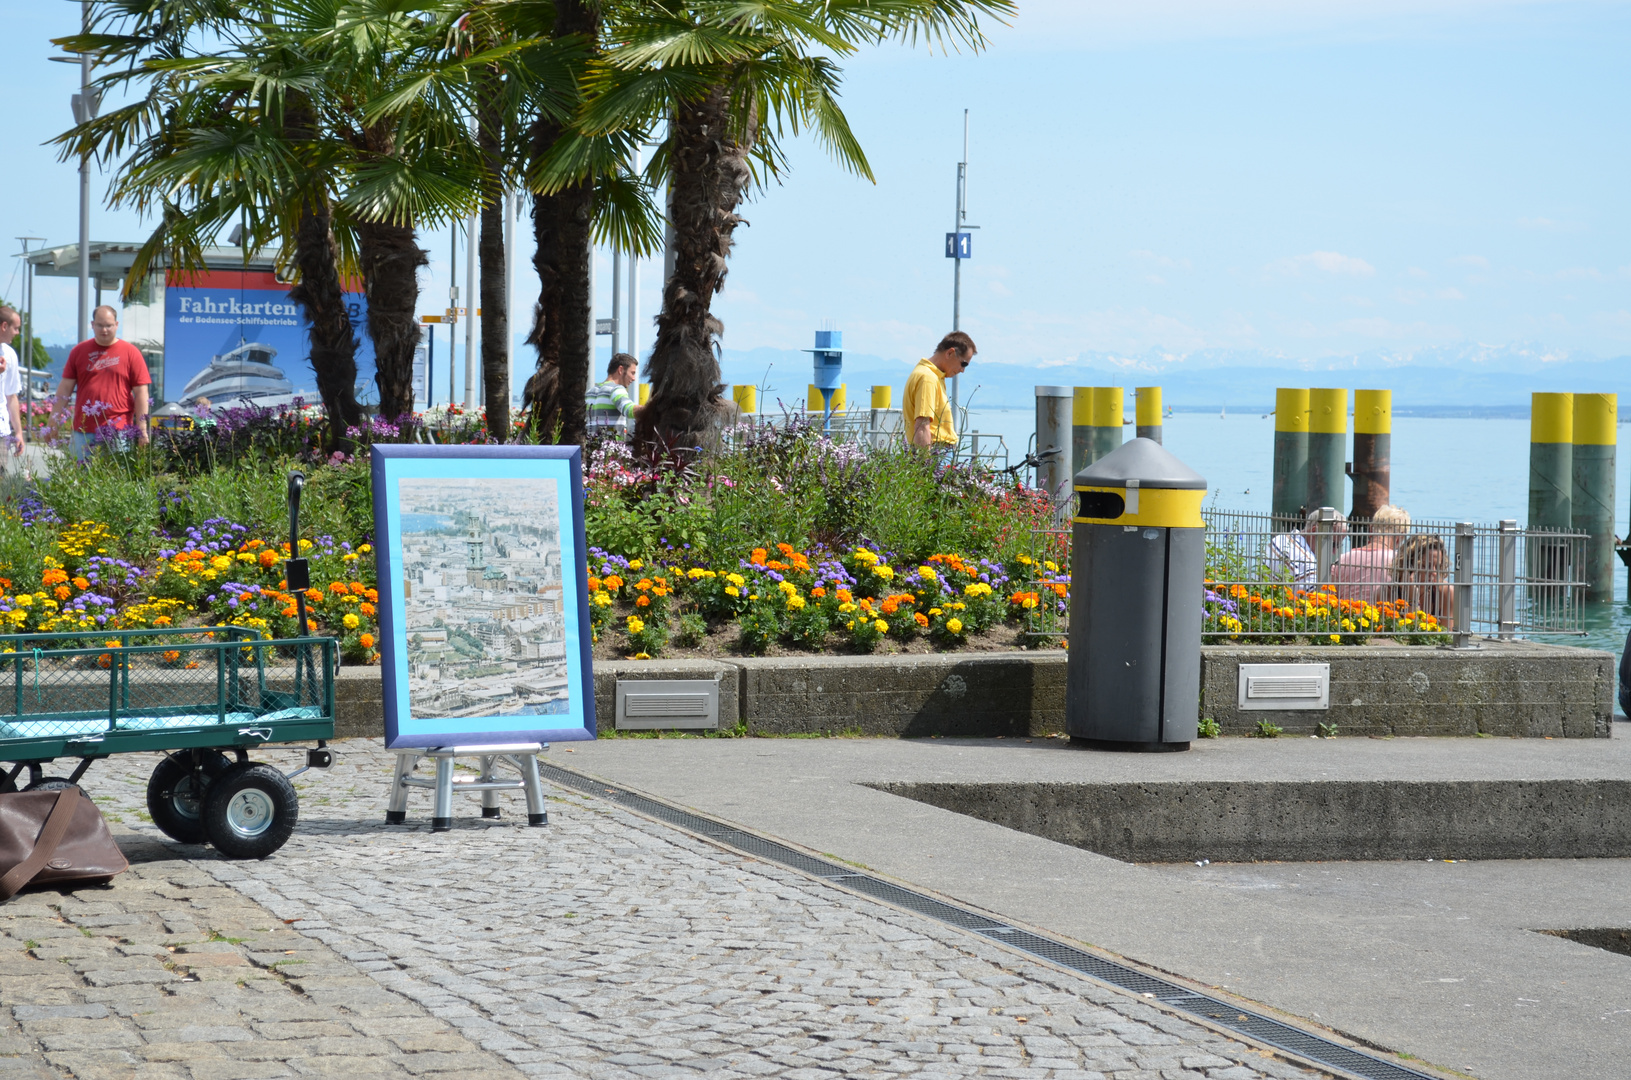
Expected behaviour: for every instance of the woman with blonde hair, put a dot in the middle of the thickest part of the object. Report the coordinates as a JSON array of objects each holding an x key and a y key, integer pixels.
[
  {"x": 1362, "y": 573},
  {"x": 1421, "y": 572}
]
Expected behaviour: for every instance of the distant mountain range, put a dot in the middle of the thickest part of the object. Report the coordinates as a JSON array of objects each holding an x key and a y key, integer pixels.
[{"x": 1467, "y": 379}]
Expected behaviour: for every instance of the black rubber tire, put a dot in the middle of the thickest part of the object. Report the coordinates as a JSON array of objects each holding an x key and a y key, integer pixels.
[
  {"x": 180, "y": 815},
  {"x": 50, "y": 783},
  {"x": 250, "y": 811}
]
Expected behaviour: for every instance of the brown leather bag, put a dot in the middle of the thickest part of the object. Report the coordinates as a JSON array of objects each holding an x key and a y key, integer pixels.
[{"x": 53, "y": 837}]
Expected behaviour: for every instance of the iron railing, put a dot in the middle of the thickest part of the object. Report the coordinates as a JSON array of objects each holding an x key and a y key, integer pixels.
[{"x": 1460, "y": 580}]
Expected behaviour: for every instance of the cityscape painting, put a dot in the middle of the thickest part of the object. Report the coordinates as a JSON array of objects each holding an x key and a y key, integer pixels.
[
  {"x": 483, "y": 614},
  {"x": 482, "y": 594}
]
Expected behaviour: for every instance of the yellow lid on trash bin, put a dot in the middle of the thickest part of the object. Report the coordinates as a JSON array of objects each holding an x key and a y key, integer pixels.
[{"x": 1140, "y": 483}]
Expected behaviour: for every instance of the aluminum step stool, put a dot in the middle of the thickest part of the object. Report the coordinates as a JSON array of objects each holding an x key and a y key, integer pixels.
[{"x": 522, "y": 756}]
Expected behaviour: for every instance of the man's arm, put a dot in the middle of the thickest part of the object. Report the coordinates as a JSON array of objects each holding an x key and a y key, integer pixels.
[
  {"x": 59, "y": 413},
  {"x": 922, "y": 433},
  {"x": 16, "y": 416},
  {"x": 138, "y": 396}
]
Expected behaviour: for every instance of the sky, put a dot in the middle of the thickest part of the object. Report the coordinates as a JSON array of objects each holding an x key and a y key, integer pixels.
[{"x": 1158, "y": 185}]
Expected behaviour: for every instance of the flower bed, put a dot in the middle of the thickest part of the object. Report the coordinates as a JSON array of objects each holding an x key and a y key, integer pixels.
[
  {"x": 1286, "y": 615},
  {"x": 856, "y": 601}
]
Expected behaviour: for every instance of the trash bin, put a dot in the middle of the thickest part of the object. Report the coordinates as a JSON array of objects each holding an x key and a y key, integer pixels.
[{"x": 1138, "y": 565}]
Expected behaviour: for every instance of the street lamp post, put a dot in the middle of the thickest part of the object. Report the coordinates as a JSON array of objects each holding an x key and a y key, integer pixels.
[
  {"x": 958, "y": 251},
  {"x": 85, "y": 105},
  {"x": 28, "y": 334}
]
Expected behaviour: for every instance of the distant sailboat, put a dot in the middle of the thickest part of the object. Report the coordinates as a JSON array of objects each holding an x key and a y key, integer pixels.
[{"x": 1223, "y": 413}]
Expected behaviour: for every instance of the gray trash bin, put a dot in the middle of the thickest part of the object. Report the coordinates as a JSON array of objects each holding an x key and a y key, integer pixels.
[{"x": 1137, "y": 571}]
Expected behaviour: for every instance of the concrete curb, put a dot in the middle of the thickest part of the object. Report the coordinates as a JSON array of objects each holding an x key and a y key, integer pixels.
[{"x": 1503, "y": 688}]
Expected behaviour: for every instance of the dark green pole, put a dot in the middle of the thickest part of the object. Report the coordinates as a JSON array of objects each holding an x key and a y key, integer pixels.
[{"x": 1290, "y": 458}]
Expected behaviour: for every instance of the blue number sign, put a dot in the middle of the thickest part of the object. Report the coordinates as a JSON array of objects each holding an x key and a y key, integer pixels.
[{"x": 959, "y": 245}]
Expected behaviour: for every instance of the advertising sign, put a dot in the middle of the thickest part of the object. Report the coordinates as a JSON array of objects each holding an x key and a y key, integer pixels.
[
  {"x": 483, "y": 589},
  {"x": 232, "y": 336}
]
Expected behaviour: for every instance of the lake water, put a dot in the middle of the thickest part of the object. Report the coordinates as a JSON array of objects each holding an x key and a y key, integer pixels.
[
  {"x": 1457, "y": 469},
  {"x": 423, "y": 523}
]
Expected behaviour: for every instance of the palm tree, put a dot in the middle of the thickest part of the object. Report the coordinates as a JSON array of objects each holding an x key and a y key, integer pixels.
[{"x": 732, "y": 81}]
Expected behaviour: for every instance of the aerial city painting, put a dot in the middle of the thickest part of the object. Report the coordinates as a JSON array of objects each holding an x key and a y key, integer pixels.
[{"x": 484, "y": 612}]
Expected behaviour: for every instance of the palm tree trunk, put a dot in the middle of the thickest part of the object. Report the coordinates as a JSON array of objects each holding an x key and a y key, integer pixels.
[
  {"x": 391, "y": 258},
  {"x": 709, "y": 178},
  {"x": 561, "y": 226},
  {"x": 495, "y": 315},
  {"x": 321, "y": 297}
]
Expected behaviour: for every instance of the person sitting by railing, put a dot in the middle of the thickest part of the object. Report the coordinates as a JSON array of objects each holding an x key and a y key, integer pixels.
[
  {"x": 1421, "y": 576},
  {"x": 1363, "y": 572},
  {"x": 1291, "y": 555}
]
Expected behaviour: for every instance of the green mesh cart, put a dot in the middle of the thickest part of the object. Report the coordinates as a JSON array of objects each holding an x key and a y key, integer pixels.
[{"x": 206, "y": 696}]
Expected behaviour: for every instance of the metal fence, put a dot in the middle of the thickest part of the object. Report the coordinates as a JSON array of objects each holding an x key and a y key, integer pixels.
[
  {"x": 878, "y": 429},
  {"x": 1441, "y": 581}
]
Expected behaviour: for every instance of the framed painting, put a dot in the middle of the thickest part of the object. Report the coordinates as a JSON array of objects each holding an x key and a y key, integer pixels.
[{"x": 483, "y": 589}]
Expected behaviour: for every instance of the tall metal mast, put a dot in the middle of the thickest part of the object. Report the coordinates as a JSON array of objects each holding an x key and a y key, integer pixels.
[{"x": 960, "y": 224}]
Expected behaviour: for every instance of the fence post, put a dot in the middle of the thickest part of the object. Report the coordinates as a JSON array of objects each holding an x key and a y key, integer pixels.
[
  {"x": 1325, "y": 542},
  {"x": 1508, "y": 614},
  {"x": 1463, "y": 584}
]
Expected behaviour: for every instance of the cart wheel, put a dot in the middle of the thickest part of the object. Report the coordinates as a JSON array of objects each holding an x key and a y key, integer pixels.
[
  {"x": 50, "y": 783},
  {"x": 250, "y": 811},
  {"x": 175, "y": 807}
]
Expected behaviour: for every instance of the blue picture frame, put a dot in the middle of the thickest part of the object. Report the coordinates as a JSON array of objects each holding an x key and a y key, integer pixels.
[{"x": 495, "y": 641}]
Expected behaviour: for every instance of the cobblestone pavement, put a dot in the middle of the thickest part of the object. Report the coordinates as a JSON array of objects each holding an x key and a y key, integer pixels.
[{"x": 603, "y": 945}]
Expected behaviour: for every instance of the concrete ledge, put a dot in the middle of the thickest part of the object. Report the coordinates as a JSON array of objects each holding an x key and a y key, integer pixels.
[
  {"x": 1510, "y": 688},
  {"x": 983, "y": 694},
  {"x": 1301, "y": 821}
]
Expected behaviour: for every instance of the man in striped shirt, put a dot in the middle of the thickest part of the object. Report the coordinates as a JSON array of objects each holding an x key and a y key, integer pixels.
[{"x": 608, "y": 404}]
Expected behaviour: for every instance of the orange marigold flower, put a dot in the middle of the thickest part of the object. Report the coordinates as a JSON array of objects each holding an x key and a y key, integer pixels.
[
  {"x": 311, "y": 626},
  {"x": 366, "y": 609},
  {"x": 889, "y": 606},
  {"x": 81, "y": 583},
  {"x": 162, "y": 620},
  {"x": 336, "y": 587},
  {"x": 759, "y": 556},
  {"x": 372, "y": 596},
  {"x": 314, "y": 596},
  {"x": 105, "y": 660},
  {"x": 785, "y": 549},
  {"x": 613, "y": 582},
  {"x": 818, "y": 592},
  {"x": 289, "y": 612},
  {"x": 62, "y": 592},
  {"x": 367, "y": 641},
  {"x": 843, "y": 596},
  {"x": 642, "y": 600},
  {"x": 594, "y": 583},
  {"x": 171, "y": 656},
  {"x": 920, "y": 618},
  {"x": 358, "y": 588},
  {"x": 267, "y": 559},
  {"x": 643, "y": 584}
]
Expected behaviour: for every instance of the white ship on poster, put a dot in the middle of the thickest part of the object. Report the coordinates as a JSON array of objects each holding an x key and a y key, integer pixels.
[{"x": 244, "y": 373}]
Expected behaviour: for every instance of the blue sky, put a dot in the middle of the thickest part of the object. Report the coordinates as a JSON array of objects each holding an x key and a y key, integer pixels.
[{"x": 1158, "y": 184}]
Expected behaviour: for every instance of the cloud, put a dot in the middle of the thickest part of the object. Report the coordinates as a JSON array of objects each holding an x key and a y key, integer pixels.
[
  {"x": 1579, "y": 273},
  {"x": 1545, "y": 224},
  {"x": 999, "y": 289},
  {"x": 1469, "y": 260},
  {"x": 1329, "y": 262},
  {"x": 1417, "y": 272}
]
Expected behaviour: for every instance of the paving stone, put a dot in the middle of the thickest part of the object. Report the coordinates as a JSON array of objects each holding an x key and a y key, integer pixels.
[{"x": 605, "y": 945}]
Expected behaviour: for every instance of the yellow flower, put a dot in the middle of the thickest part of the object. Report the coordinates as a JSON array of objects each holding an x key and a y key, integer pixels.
[
  {"x": 1335, "y": 639},
  {"x": 636, "y": 564},
  {"x": 881, "y": 626},
  {"x": 305, "y": 545},
  {"x": 24, "y": 600},
  {"x": 365, "y": 549},
  {"x": 926, "y": 573},
  {"x": 642, "y": 656},
  {"x": 736, "y": 579},
  {"x": 636, "y": 624},
  {"x": 350, "y": 556},
  {"x": 732, "y": 590},
  {"x": 788, "y": 588},
  {"x": 795, "y": 603},
  {"x": 865, "y": 556},
  {"x": 350, "y": 621},
  {"x": 954, "y": 625},
  {"x": 1025, "y": 560},
  {"x": 845, "y": 608},
  {"x": 1051, "y": 565},
  {"x": 602, "y": 599},
  {"x": 934, "y": 611},
  {"x": 246, "y": 556},
  {"x": 979, "y": 588},
  {"x": 885, "y": 572}
]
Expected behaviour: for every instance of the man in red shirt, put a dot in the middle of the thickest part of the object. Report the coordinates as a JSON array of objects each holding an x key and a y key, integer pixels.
[{"x": 111, "y": 379}]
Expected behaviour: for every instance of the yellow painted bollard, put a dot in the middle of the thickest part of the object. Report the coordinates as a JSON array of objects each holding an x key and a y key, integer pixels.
[
  {"x": 1373, "y": 452},
  {"x": 1109, "y": 412},
  {"x": 1591, "y": 496},
  {"x": 645, "y": 393},
  {"x": 1327, "y": 447},
  {"x": 1290, "y": 458},
  {"x": 746, "y": 398},
  {"x": 1147, "y": 412},
  {"x": 813, "y": 401},
  {"x": 1551, "y": 460},
  {"x": 1081, "y": 428},
  {"x": 882, "y": 396}
]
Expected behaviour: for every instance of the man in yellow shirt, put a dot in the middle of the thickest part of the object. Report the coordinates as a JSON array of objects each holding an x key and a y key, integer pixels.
[{"x": 925, "y": 405}]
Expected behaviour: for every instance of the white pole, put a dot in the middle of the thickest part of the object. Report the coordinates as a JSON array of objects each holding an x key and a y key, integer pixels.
[
  {"x": 470, "y": 365},
  {"x": 617, "y": 303},
  {"x": 85, "y": 112},
  {"x": 957, "y": 263},
  {"x": 511, "y": 201},
  {"x": 634, "y": 286}
]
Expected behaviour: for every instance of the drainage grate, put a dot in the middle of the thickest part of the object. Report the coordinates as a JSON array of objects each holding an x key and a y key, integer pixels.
[{"x": 1221, "y": 1013}]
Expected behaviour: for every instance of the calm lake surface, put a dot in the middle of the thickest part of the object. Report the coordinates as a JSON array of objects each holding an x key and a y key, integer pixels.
[{"x": 1456, "y": 469}]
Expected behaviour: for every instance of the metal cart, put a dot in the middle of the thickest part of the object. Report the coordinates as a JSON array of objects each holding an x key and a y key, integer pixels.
[{"x": 208, "y": 695}]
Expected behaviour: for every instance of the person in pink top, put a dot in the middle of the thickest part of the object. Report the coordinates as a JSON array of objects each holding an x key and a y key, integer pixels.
[{"x": 1364, "y": 572}]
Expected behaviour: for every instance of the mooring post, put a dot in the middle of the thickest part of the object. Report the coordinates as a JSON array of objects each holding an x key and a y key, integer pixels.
[
  {"x": 1109, "y": 411},
  {"x": 1372, "y": 469},
  {"x": 1081, "y": 428},
  {"x": 1147, "y": 412},
  {"x": 1591, "y": 496},
  {"x": 1327, "y": 446},
  {"x": 1290, "y": 458}
]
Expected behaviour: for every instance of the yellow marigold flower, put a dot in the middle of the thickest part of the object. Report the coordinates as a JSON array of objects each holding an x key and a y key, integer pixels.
[
  {"x": 736, "y": 579},
  {"x": 350, "y": 556},
  {"x": 350, "y": 621},
  {"x": 954, "y": 625},
  {"x": 845, "y": 608},
  {"x": 732, "y": 590},
  {"x": 788, "y": 588},
  {"x": 1025, "y": 560},
  {"x": 24, "y": 600},
  {"x": 636, "y": 624},
  {"x": 881, "y": 626},
  {"x": 305, "y": 545},
  {"x": 863, "y": 555},
  {"x": 636, "y": 564},
  {"x": 1051, "y": 565},
  {"x": 1335, "y": 639},
  {"x": 366, "y": 548},
  {"x": 245, "y": 556},
  {"x": 795, "y": 603},
  {"x": 885, "y": 572},
  {"x": 926, "y": 573},
  {"x": 934, "y": 611}
]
